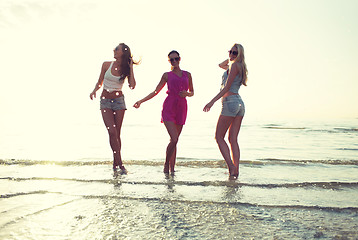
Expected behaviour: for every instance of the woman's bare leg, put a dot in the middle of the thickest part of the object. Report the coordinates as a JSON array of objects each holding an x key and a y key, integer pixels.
[
  {"x": 174, "y": 133},
  {"x": 113, "y": 121},
  {"x": 233, "y": 135},
  {"x": 222, "y": 126},
  {"x": 174, "y": 155}
]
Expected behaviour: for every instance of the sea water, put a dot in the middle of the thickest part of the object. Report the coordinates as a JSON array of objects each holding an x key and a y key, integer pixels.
[{"x": 298, "y": 180}]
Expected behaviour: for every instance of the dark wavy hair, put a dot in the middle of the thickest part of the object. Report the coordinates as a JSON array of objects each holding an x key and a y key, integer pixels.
[
  {"x": 125, "y": 60},
  {"x": 174, "y": 51}
]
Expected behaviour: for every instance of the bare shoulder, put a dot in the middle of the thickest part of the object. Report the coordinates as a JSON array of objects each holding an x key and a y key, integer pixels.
[
  {"x": 236, "y": 65},
  {"x": 188, "y": 73},
  {"x": 105, "y": 65},
  {"x": 164, "y": 77}
]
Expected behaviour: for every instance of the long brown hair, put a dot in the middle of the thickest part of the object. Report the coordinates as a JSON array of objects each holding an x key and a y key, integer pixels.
[
  {"x": 125, "y": 60},
  {"x": 240, "y": 59}
]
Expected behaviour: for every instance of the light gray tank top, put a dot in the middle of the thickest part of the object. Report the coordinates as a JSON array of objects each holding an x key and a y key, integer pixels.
[{"x": 236, "y": 84}]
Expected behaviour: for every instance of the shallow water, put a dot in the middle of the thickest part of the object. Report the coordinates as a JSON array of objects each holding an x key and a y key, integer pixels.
[
  {"x": 86, "y": 200},
  {"x": 302, "y": 184}
]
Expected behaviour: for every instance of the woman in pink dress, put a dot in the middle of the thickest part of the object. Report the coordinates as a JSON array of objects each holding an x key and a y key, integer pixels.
[{"x": 174, "y": 111}]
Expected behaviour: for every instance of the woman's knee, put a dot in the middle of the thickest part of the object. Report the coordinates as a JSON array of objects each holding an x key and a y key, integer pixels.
[
  {"x": 112, "y": 131},
  {"x": 219, "y": 137},
  {"x": 174, "y": 140},
  {"x": 232, "y": 139}
]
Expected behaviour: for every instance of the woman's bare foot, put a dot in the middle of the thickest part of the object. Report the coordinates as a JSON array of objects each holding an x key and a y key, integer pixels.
[
  {"x": 166, "y": 168},
  {"x": 234, "y": 173},
  {"x": 122, "y": 169}
]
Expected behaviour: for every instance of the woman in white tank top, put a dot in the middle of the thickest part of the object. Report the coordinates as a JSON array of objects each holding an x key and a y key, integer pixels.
[{"x": 112, "y": 102}]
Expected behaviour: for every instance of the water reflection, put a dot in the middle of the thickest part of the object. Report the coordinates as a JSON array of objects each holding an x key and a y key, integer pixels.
[
  {"x": 170, "y": 177},
  {"x": 232, "y": 192}
]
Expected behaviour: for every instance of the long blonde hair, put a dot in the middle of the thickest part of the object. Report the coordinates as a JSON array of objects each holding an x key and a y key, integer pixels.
[{"x": 240, "y": 59}]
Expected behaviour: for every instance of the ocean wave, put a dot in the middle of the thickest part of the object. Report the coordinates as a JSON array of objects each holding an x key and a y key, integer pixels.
[
  {"x": 236, "y": 203},
  {"x": 185, "y": 162},
  {"x": 312, "y": 129},
  {"x": 10, "y": 195},
  {"x": 285, "y": 128},
  {"x": 191, "y": 201},
  {"x": 336, "y": 130},
  {"x": 277, "y": 161},
  {"x": 234, "y": 184},
  {"x": 346, "y": 129},
  {"x": 348, "y": 149}
]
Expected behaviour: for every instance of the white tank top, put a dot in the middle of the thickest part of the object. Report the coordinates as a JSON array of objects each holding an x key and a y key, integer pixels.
[{"x": 112, "y": 83}]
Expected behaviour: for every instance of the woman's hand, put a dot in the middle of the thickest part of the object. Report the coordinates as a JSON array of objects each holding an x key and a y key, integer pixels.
[
  {"x": 137, "y": 104},
  {"x": 93, "y": 95},
  {"x": 208, "y": 106},
  {"x": 224, "y": 64},
  {"x": 183, "y": 94}
]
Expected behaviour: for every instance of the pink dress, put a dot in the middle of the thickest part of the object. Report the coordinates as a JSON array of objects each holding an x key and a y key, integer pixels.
[{"x": 175, "y": 107}]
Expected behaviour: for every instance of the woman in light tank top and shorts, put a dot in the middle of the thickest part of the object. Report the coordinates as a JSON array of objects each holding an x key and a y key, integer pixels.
[
  {"x": 233, "y": 108},
  {"x": 112, "y": 103},
  {"x": 174, "y": 111}
]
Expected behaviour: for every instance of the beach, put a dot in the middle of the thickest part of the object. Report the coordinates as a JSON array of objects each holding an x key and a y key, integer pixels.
[
  {"x": 302, "y": 197},
  {"x": 298, "y": 139}
]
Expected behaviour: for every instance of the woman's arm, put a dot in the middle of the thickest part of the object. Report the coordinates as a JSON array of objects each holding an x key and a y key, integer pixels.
[
  {"x": 190, "y": 93},
  {"x": 100, "y": 80},
  {"x": 234, "y": 70},
  {"x": 159, "y": 87},
  {"x": 224, "y": 64}
]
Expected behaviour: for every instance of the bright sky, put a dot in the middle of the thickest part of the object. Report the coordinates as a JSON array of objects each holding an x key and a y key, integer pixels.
[{"x": 301, "y": 55}]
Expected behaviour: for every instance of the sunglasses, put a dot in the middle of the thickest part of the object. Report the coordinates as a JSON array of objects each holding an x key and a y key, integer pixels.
[
  {"x": 176, "y": 59},
  {"x": 233, "y": 52}
]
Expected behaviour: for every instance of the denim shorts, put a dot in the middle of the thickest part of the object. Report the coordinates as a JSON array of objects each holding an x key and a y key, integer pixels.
[
  {"x": 114, "y": 104},
  {"x": 233, "y": 106}
]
